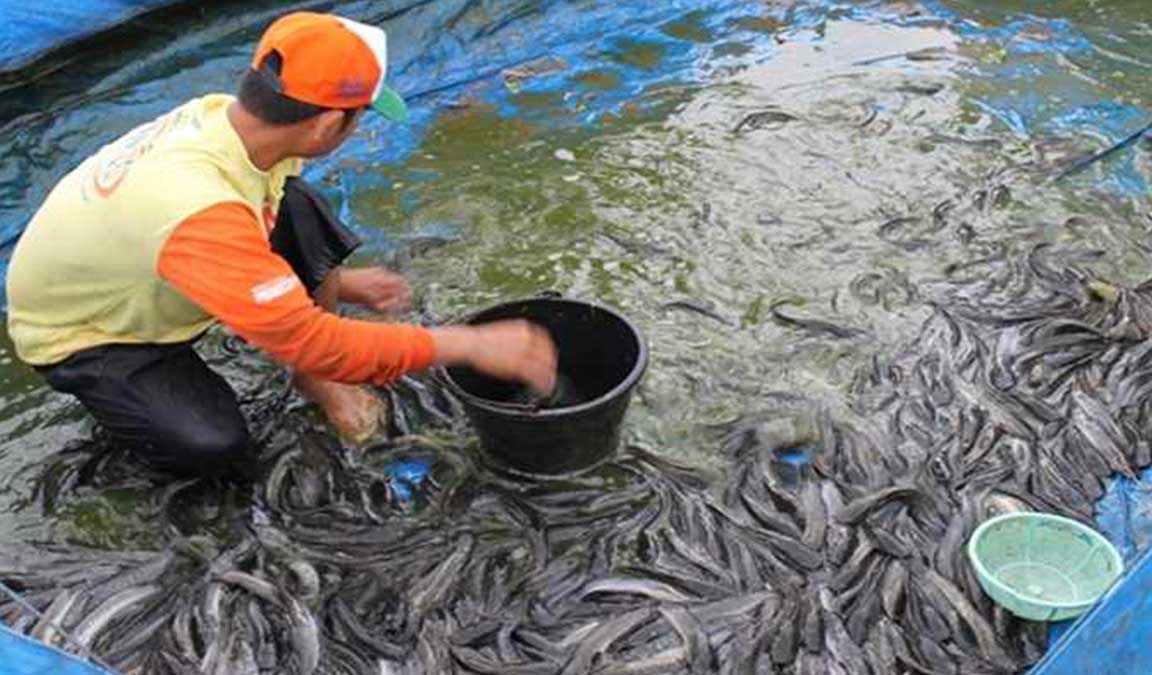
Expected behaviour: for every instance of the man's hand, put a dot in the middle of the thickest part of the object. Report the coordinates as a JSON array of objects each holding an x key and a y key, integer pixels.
[
  {"x": 374, "y": 288},
  {"x": 510, "y": 350}
]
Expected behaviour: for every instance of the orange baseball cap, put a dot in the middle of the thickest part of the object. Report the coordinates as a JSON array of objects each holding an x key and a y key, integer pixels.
[{"x": 330, "y": 61}]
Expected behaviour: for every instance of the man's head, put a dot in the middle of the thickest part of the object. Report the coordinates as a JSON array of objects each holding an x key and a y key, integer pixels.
[{"x": 314, "y": 74}]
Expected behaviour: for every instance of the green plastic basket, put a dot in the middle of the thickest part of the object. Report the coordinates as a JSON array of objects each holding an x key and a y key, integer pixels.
[{"x": 1043, "y": 567}]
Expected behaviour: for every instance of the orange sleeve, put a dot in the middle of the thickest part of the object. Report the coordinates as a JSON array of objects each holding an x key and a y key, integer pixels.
[{"x": 220, "y": 259}]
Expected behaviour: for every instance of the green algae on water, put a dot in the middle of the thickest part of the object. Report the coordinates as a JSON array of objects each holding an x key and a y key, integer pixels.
[
  {"x": 690, "y": 27},
  {"x": 638, "y": 54},
  {"x": 597, "y": 79}
]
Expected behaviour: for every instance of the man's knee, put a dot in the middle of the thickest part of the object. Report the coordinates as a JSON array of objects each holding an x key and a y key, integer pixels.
[
  {"x": 218, "y": 450},
  {"x": 194, "y": 428},
  {"x": 215, "y": 443}
]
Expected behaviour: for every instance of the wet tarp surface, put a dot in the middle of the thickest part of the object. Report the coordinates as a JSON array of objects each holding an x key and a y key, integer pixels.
[
  {"x": 31, "y": 29},
  {"x": 20, "y": 655},
  {"x": 1116, "y": 631},
  {"x": 447, "y": 59},
  {"x": 1113, "y": 637}
]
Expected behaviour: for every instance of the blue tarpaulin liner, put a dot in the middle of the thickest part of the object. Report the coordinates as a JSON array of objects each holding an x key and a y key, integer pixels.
[
  {"x": 448, "y": 54},
  {"x": 445, "y": 59},
  {"x": 1114, "y": 636},
  {"x": 20, "y": 655},
  {"x": 31, "y": 29},
  {"x": 1117, "y": 631}
]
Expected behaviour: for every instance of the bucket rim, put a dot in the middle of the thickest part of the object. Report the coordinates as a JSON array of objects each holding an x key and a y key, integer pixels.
[{"x": 514, "y": 412}]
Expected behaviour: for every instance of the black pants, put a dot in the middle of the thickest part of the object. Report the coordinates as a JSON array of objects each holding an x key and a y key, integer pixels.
[{"x": 163, "y": 402}]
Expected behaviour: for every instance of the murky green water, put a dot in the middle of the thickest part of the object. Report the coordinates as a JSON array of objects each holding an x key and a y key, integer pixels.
[{"x": 863, "y": 190}]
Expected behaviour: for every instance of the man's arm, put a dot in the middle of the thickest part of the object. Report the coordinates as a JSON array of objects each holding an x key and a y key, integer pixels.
[{"x": 220, "y": 259}]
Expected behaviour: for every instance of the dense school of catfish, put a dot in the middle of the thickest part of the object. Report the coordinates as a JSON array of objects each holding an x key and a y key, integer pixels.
[{"x": 1028, "y": 386}]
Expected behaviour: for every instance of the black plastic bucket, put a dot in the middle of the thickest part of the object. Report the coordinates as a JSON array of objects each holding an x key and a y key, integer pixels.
[{"x": 602, "y": 356}]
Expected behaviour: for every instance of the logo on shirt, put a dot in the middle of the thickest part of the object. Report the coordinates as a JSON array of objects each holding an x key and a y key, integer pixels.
[
  {"x": 270, "y": 290},
  {"x": 115, "y": 160}
]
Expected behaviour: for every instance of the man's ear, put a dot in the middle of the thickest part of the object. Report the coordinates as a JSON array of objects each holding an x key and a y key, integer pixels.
[{"x": 328, "y": 125}]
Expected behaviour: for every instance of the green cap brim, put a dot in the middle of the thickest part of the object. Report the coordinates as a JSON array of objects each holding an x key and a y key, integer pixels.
[{"x": 390, "y": 105}]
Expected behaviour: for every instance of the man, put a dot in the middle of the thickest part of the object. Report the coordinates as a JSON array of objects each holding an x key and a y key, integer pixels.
[{"x": 198, "y": 217}]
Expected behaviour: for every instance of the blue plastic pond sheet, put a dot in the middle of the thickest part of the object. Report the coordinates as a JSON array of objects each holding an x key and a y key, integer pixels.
[
  {"x": 1124, "y": 515},
  {"x": 31, "y": 29},
  {"x": 1113, "y": 637},
  {"x": 1118, "y": 629},
  {"x": 456, "y": 50},
  {"x": 20, "y": 655}
]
